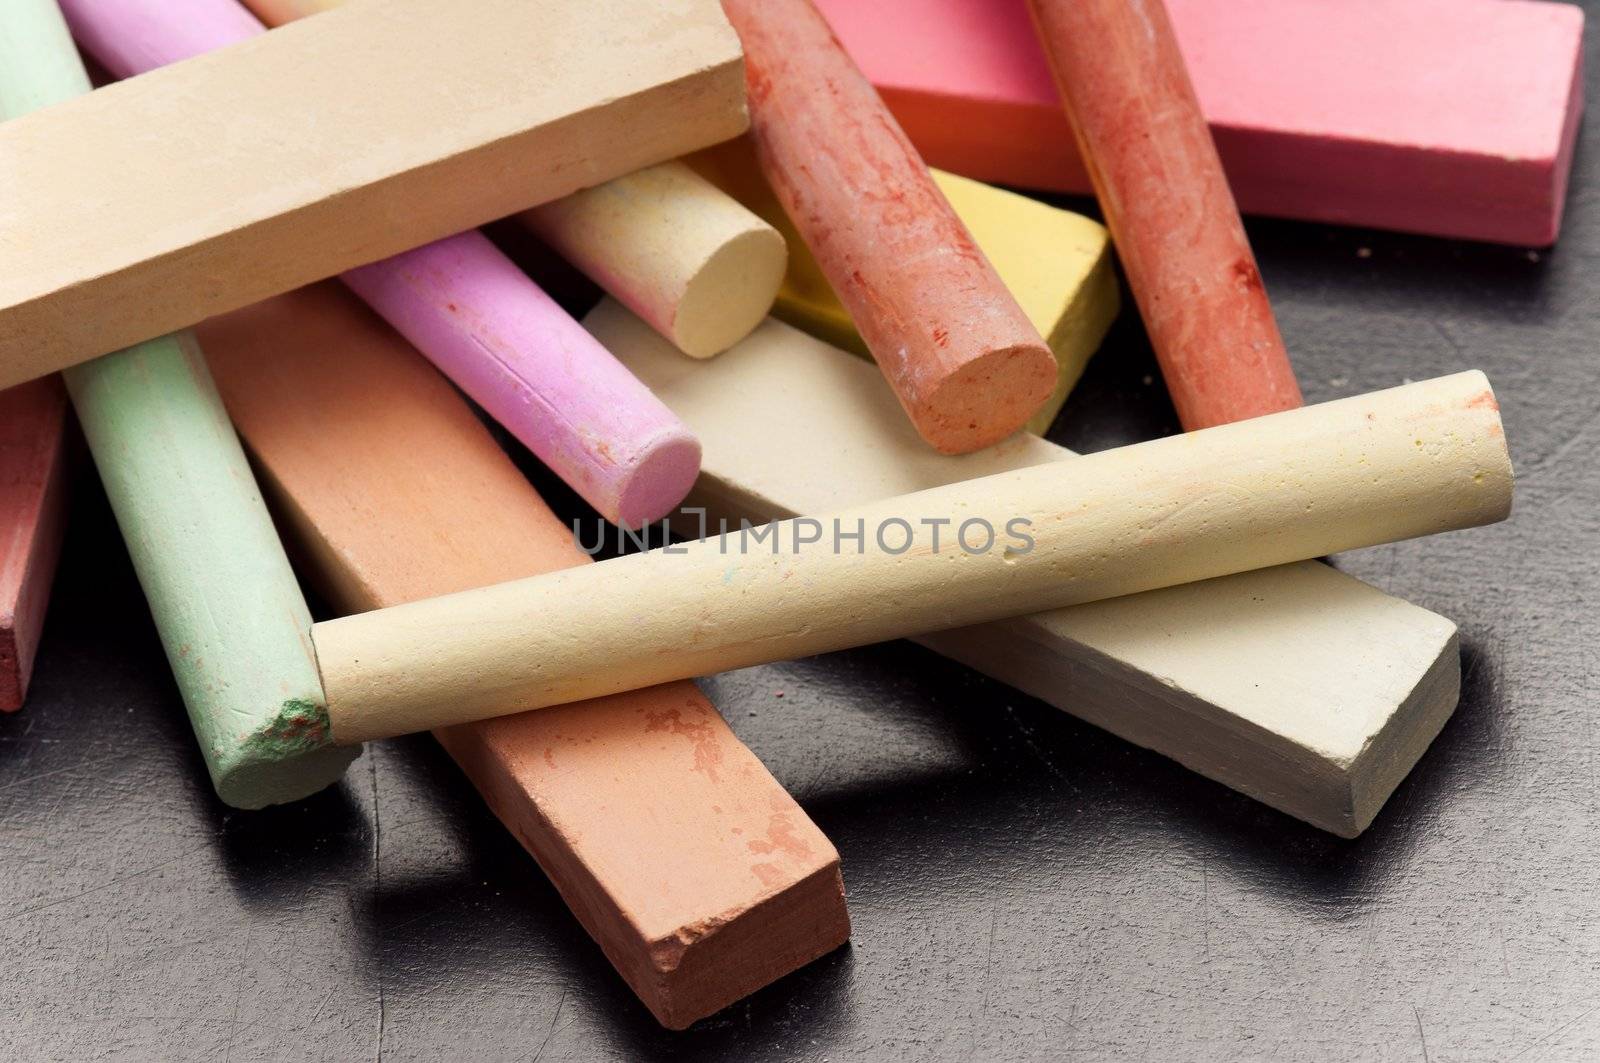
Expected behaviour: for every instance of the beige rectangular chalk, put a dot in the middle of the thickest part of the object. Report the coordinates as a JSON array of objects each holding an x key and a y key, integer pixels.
[
  {"x": 1297, "y": 685},
  {"x": 332, "y": 143}
]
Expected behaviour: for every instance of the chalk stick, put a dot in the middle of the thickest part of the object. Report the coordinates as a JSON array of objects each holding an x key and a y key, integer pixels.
[
  {"x": 534, "y": 369},
  {"x": 1166, "y": 200},
  {"x": 35, "y": 58},
  {"x": 1445, "y": 117},
  {"x": 252, "y": 199},
  {"x": 694, "y": 263},
  {"x": 229, "y": 612},
  {"x": 699, "y": 268},
  {"x": 1299, "y": 686},
  {"x": 1413, "y": 460},
  {"x": 1056, "y": 264},
  {"x": 33, "y": 501},
  {"x": 129, "y": 37},
  {"x": 652, "y": 819},
  {"x": 277, "y": 12},
  {"x": 465, "y": 305},
  {"x": 966, "y": 363},
  {"x": 234, "y": 626}
]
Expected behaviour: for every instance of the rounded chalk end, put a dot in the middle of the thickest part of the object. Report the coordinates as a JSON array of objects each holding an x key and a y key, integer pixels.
[
  {"x": 660, "y": 480},
  {"x": 249, "y": 780},
  {"x": 987, "y": 399},
  {"x": 731, "y": 292}
]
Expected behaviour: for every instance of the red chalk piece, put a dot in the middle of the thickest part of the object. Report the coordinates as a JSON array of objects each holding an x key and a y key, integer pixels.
[
  {"x": 1174, "y": 222},
  {"x": 964, "y": 360},
  {"x": 32, "y": 506},
  {"x": 1447, "y": 117}
]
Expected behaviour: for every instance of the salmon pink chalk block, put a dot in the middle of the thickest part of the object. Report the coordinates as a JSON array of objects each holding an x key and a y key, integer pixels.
[
  {"x": 687, "y": 862},
  {"x": 1444, "y": 117}
]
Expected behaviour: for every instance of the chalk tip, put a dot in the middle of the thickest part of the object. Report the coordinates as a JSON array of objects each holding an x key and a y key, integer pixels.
[
  {"x": 988, "y": 399},
  {"x": 659, "y": 481},
  {"x": 731, "y": 292},
  {"x": 283, "y": 756},
  {"x": 249, "y": 783}
]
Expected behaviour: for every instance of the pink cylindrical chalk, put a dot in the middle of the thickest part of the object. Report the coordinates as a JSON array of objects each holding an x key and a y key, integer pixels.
[
  {"x": 508, "y": 345},
  {"x": 129, "y": 37},
  {"x": 465, "y": 306}
]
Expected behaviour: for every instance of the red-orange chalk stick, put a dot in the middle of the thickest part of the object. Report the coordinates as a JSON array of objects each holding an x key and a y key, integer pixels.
[
  {"x": 33, "y": 494},
  {"x": 964, "y": 360},
  {"x": 696, "y": 872},
  {"x": 1172, "y": 216}
]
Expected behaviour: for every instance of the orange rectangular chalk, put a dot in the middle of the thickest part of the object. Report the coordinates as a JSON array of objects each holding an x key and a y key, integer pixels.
[{"x": 696, "y": 872}]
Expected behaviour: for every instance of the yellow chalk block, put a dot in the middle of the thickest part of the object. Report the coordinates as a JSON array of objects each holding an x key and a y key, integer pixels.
[{"x": 1056, "y": 263}]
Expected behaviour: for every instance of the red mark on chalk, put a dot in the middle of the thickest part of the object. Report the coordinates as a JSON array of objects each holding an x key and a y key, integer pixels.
[
  {"x": 1247, "y": 274},
  {"x": 699, "y": 732},
  {"x": 769, "y": 874},
  {"x": 780, "y": 838}
]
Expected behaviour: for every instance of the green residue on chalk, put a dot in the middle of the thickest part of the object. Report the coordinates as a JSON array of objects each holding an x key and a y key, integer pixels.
[{"x": 299, "y": 727}]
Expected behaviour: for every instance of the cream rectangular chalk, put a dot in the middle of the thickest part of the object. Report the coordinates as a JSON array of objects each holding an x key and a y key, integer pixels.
[
  {"x": 465, "y": 305},
  {"x": 329, "y": 144},
  {"x": 1297, "y": 685},
  {"x": 675, "y": 848}
]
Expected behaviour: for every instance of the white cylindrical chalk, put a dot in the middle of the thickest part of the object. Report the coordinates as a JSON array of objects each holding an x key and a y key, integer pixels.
[
  {"x": 1427, "y": 457},
  {"x": 693, "y": 262}
]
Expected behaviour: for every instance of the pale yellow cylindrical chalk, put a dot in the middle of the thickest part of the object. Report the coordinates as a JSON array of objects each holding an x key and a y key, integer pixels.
[
  {"x": 689, "y": 259},
  {"x": 1426, "y": 457}
]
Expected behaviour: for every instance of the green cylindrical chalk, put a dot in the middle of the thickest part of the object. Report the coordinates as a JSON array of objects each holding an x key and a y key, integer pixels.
[
  {"x": 38, "y": 63},
  {"x": 232, "y": 619},
  {"x": 231, "y": 616}
]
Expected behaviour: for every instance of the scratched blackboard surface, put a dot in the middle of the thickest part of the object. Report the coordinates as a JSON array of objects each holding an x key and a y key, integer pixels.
[{"x": 1023, "y": 886}]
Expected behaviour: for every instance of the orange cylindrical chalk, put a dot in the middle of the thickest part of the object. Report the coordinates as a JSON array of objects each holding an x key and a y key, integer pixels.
[
  {"x": 966, "y": 363},
  {"x": 1166, "y": 199}
]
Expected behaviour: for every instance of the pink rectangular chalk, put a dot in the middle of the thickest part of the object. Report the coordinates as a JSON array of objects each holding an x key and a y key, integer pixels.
[
  {"x": 33, "y": 490},
  {"x": 465, "y": 306},
  {"x": 1444, "y": 117}
]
